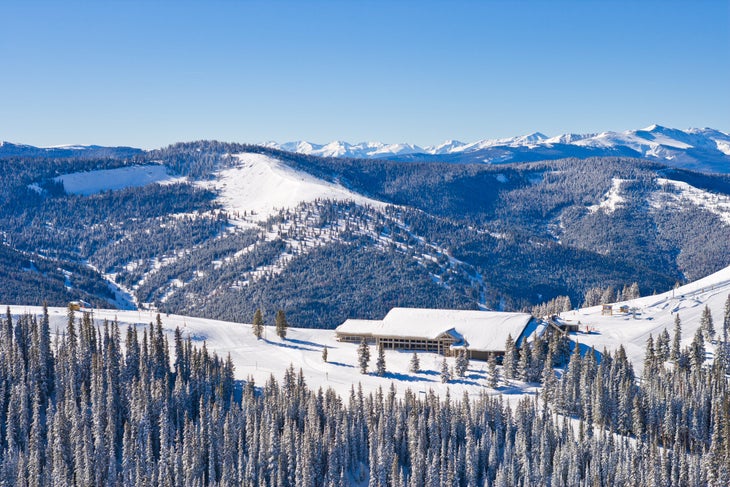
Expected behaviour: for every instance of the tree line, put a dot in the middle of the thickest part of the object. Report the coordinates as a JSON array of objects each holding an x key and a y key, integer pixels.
[{"x": 98, "y": 406}]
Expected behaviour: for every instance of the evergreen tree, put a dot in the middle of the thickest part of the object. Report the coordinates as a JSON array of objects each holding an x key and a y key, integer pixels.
[
  {"x": 380, "y": 361},
  {"x": 363, "y": 356},
  {"x": 492, "y": 372},
  {"x": 258, "y": 324},
  {"x": 707, "y": 325},
  {"x": 677, "y": 339},
  {"x": 524, "y": 361},
  {"x": 281, "y": 324},
  {"x": 462, "y": 363},
  {"x": 415, "y": 365},
  {"x": 697, "y": 350},
  {"x": 629, "y": 292},
  {"x": 509, "y": 361},
  {"x": 324, "y": 354},
  {"x": 445, "y": 373},
  {"x": 662, "y": 346}
]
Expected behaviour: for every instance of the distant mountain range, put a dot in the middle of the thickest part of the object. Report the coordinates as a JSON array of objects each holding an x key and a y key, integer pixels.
[
  {"x": 704, "y": 149},
  {"x": 9, "y": 149}
]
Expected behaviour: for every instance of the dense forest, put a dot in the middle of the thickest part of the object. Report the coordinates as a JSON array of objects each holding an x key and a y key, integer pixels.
[{"x": 96, "y": 405}]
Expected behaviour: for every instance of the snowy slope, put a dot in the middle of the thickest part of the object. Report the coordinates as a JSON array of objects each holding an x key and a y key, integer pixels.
[
  {"x": 262, "y": 184},
  {"x": 90, "y": 182},
  {"x": 302, "y": 348},
  {"x": 655, "y": 313}
]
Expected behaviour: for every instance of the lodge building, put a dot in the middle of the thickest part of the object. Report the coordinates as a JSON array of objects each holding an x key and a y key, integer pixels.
[{"x": 444, "y": 331}]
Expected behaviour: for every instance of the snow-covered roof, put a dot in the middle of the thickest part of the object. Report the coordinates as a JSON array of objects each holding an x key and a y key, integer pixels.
[
  {"x": 481, "y": 330},
  {"x": 359, "y": 327}
]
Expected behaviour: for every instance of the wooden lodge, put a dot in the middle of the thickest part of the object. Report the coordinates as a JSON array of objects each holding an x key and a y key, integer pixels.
[{"x": 443, "y": 331}]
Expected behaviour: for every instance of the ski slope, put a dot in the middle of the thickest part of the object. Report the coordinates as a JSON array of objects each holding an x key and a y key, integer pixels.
[
  {"x": 263, "y": 185},
  {"x": 655, "y": 313}
]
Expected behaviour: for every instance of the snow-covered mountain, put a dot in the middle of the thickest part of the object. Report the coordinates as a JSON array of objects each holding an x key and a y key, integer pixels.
[{"x": 703, "y": 149}]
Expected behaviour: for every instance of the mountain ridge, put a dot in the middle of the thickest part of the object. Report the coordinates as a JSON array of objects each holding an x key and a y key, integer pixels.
[{"x": 702, "y": 149}]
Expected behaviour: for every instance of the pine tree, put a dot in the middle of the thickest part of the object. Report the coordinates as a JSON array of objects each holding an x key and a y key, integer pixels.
[
  {"x": 523, "y": 364},
  {"x": 661, "y": 346},
  {"x": 677, "y": 339},
  {"x": 281, "y": 324},
  {"x": 707, "y": 325},
  {"x": 380, "y": 362},
  {"x": 462, "y": 363},
  {"x": 445, "y": 374},
  {"x": 629, "y": 292},
  {"x": 549, "y": 381},
  {"x": 363, "y": 356},
  {"x": 492, "y": 372},
  {"x": 608, "y": 296},
  {"x": 324, "y": 354},
  {"x": 415, "y": 364},
  {"x": 697, "y": 351},
  {"x": 258, "y": 324},
  {"x": 509, "y": 361}
]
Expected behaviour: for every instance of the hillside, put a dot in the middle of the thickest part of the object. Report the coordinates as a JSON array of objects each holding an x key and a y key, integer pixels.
[
  {"x": 217, "y": 230},
  {"x": 654, "y": 314},
  {"x": 302, "y": 348}
]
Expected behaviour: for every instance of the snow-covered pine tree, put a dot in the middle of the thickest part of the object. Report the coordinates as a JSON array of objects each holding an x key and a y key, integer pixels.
[
  {"x": 380, "y": 362},
  {"x": 676, "y": 339},
  {"x": 509, "y": 361},
  {"x": 324, "y": 354},
  {"x": 634, "y": 292},
  {"x": 662, "y": 346},
  {"x": 445, "y": 373},
  {"x": 462, "y": 363},
  {"x": 363, "y": 356},
  {"x": 258, "y": 324},
  {"x": 609, "y": 295},
  {"x": 492, "y": 372},
  {"x": 707, "y": 324},
  {"x": 414, "y": 365},
  {"x": 524, "y": 361},
  {"x": 697, "y": 350}
]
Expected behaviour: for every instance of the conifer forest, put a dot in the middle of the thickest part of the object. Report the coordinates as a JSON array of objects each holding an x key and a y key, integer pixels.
[{"x": 98, "y": 405}]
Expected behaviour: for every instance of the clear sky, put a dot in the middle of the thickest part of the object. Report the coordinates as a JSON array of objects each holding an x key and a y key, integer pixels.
[{"x": 151, "y": 73}]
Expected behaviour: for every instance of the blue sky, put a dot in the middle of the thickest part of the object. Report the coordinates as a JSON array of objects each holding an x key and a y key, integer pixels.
[{"x": 148, "y": 74}]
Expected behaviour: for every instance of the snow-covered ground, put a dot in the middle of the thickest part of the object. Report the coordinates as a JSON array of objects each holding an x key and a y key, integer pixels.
[
  {"x": 302, "y": 348},
  {"x": 264, "y": 185},
  {"x": 91, "y": 182},
  {"x": 655, "y": 313}
]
